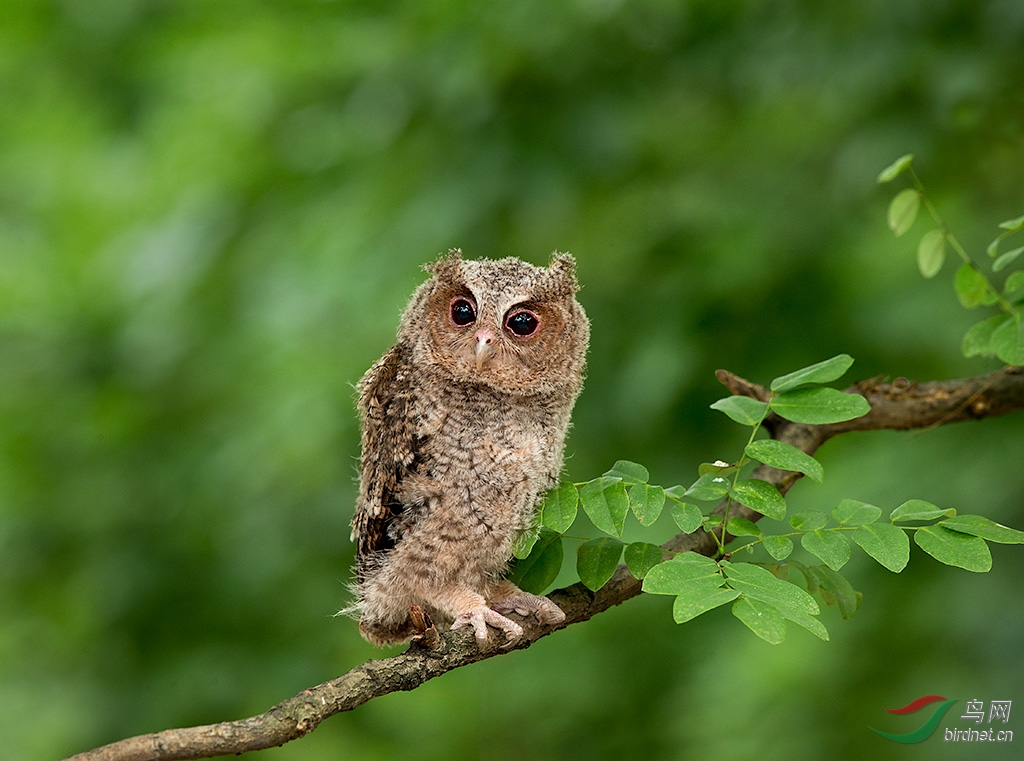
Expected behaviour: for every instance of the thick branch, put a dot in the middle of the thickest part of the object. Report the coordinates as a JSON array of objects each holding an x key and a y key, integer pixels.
[
  {"x": 899, "y": 405},
  {"x": 902, "y": 404}
]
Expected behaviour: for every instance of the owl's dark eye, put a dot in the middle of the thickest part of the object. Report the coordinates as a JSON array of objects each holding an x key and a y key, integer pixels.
[
  {"x": 462, "y": 312},
  {"x": 522, "y": 323}
]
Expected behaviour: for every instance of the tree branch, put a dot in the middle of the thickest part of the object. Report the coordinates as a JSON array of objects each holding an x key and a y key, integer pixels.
[
  {"x": 901, "y": 405},
  {"x": 897, "y": 405}
]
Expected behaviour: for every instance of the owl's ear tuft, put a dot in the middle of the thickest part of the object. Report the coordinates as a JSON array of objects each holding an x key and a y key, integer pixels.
[
  {"x": 446, "y": 264},
  {"x": 562, "y": 271}
]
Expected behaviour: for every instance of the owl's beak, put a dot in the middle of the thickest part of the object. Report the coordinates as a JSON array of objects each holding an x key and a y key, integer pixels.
[{"x": 486, "y": 345}]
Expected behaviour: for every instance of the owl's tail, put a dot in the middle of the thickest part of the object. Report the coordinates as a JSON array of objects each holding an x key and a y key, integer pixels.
[
  {"x": 374, "y": 630},
  {"x": 382, "y": 635}
]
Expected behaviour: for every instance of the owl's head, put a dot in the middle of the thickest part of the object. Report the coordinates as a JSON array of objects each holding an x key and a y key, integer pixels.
[{"x": 502, "y": 323}]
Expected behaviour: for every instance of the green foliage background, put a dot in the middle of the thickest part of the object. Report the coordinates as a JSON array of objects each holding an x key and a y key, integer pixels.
[{"x": 211, "y": 215}]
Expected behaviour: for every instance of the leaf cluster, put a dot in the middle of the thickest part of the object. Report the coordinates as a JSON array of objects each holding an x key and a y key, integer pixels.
[
  {"x": 1001, "y": 335},
  {"x": 761, "y": 595}
]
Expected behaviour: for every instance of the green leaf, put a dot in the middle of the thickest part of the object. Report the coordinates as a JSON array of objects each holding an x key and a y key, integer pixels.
[
  {"x": 1008, "y": 341},
  {"x": 825, "y": 371},
  {"x": 820, "y": 406},
  {"x": 779, "y": 547},
  {"x": 919, "y": 510},
  {"x": 630, "y": 472},
  {"x": 850, "y": 512},
  {"x": 647, "y": 502},
  {"x": 761, "y": 497},
  {"x": 686, "y": 516},
  {"x": 830, "y": 547},
  {"x": 793, "y": 603},
  {"x": 1005, "y": 260},
  {"x": 979, "y": 525},
  {"x": 760, "y": 584},
  {"x": 558, "y": 510},
  {"x": 717, "y": 467},
  {"x": 743, "y": 527},
  {"x": 810, "y": 623},
  {"x": 675, "y": 576},
  {"x": 761, "y": 618},
  {"x": 698, "y": 599},
  {"x": 896, "y": 168},
  {"x": 742, "y": 409},
  {"x": 523, "y": 544},
  {"x": 886, "y": 543},
  {"x": 993, "y": 248},
  {"x": 903, "y": 211},
  {"x": 1013, "y": 224},
  {"x": 677, "y": 493},
  {"x": 779, "y": 454},
  {"x": 708, "y": 488},
  {"x": 712, "y": 521},
  {"x": 809, "y": 575},
  {"x": 836, "y": 589},
  {"x": 606, "y": 504},
  {"x": 931, "y": 252},
  {"x": 809, "y": 520},
  {"x": 971, "y": 286},
  {"x": 954, "y": 548},
  {"x": 597, "y": 560},
  {"x": 538, "y": 571},
  {"x": 978, "y": 338},
  {"x": 1014, "y": 283},
  {"x": 641, "y": 557}
]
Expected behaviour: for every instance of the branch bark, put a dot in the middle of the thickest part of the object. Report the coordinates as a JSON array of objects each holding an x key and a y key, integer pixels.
[{"x": 895, "y": 405}]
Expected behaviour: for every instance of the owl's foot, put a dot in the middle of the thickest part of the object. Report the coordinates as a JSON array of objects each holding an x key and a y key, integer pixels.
[
  {"x": 482, "y": 616},
  {"x": 525, "y": 604},
  {"x": 506, "y": 597}
]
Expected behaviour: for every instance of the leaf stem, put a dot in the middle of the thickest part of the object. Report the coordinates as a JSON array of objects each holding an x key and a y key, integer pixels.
[
  {"x": 743, "y": 460},
  {"x": 955, "y": 244}
]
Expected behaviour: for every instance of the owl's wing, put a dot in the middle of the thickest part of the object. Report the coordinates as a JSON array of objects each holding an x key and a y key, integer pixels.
[{"x": 391, "y": 451}]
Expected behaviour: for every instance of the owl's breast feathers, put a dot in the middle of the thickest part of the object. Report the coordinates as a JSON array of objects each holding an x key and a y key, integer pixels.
[{"x": 425, "y": 434}]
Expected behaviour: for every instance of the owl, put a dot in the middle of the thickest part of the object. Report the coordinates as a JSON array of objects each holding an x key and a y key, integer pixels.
[{"x": 463, "y": 429}]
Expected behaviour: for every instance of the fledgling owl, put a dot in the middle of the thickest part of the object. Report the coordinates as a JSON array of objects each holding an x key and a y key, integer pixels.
[{"x": 464, "y": 424}]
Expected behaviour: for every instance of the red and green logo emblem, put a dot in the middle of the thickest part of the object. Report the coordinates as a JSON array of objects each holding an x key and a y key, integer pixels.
[{"x": 924, "y": 731}]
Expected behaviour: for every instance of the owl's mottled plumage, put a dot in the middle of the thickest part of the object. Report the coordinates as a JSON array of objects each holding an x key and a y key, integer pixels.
[{"x": 464, "y": 423}]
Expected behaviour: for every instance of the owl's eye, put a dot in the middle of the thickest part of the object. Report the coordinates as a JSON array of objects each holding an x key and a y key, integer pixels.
[
  {"x": 522, "y": 323},
  {"x": 462, "y": 312}
]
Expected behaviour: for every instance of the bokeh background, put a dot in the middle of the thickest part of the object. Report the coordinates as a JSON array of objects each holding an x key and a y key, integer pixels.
[{"x": 211, "y": 215}]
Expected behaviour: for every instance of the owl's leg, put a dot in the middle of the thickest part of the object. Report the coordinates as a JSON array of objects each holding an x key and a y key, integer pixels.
[
  {"x": 470, "y": 609},
  {"x": 506, "y": 597}
]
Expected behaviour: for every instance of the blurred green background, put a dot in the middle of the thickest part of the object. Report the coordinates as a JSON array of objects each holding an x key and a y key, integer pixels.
[{"x": 211, "y": 215}]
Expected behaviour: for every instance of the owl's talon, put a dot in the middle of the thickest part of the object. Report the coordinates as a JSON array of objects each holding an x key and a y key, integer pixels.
[
  {"x": 525, "y": 604},
  {"x": 480, "y": 617},
  {"x": 426, "y": 635}
]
